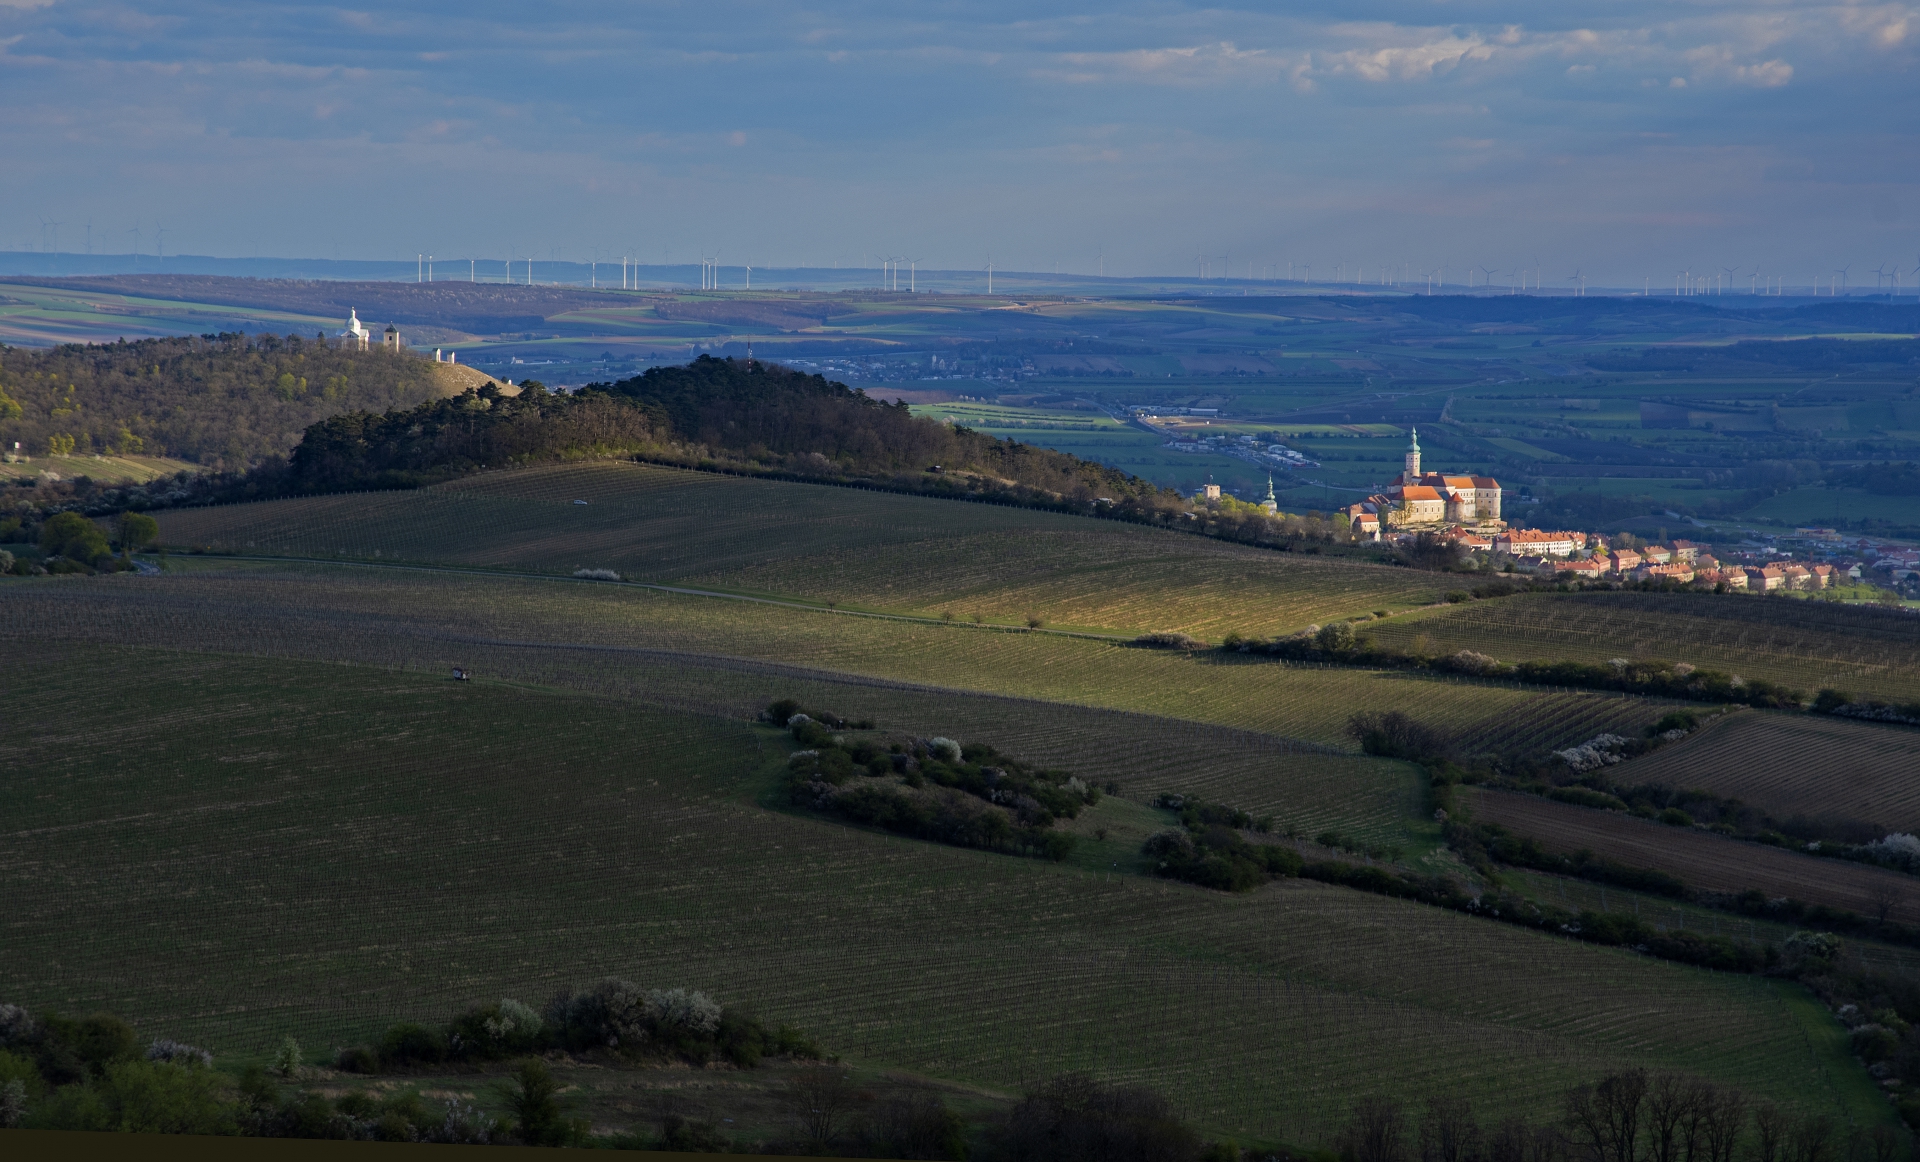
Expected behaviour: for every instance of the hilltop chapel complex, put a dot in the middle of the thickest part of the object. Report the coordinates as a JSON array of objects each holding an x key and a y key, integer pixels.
[{"x": 1416, "y": 501}]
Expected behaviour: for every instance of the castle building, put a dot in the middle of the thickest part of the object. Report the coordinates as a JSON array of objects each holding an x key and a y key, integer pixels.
[{"x": 1418, "y": 499}]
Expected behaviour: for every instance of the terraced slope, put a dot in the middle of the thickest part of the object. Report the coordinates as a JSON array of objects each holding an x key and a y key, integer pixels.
[
  {"x": 318, "y": 849},
  {"x": 854, "y": 547},
  {"x": 1799, "y": 765},
  {"x": 1803, "y": 644}
]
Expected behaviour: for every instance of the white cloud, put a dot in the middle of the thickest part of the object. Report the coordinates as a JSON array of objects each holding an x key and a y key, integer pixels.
[{"x": 1766, "y": 75}]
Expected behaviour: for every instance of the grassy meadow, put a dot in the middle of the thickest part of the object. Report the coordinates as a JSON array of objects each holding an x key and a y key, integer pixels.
[{"x": 320, "y": 848}]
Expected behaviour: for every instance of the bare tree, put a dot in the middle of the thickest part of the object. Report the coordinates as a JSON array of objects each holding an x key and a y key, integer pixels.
[
  {"x": 1672, "y": 1101},
  {"x": 822, "y": 1099},
  {"x": 1605, "y": 1118},
  {"x": 1886, "y": 897},
  {"x": 1723, "y": 1114},
  {"x": 1771, "y": 1128},
  {"x": 1884, "y": 1142},
  {"x": 1377, "y": 1133},
  {"x": 1448, "y": 1132},
  {"x": 1812, "y": 1139}
]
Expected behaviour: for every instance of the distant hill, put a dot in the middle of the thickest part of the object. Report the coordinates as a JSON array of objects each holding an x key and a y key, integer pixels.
[
  {"x": 710, "y": 412},
  {"x": 229, "y": 401}
]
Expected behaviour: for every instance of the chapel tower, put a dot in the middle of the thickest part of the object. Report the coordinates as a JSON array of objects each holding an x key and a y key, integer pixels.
[{"x": 1413, "y": 457}]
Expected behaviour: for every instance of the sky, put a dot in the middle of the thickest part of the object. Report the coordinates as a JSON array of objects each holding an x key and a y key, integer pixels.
[{"x": 1616, "y": 140}]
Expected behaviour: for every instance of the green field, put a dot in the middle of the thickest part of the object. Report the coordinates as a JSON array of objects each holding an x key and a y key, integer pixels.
[
  {"x": 859, "y": 548},
  {"x": 321, "y": 848},
  {"x": 1804, "y": 645},
  {"x": 1812, "y": 506}
]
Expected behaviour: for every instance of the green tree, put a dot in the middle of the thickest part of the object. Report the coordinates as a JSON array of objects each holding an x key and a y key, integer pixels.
[
  {"x": 68, "y": 534},
  {"x": 539, "y": 1118},
  {"x": 137, "y": 531}
]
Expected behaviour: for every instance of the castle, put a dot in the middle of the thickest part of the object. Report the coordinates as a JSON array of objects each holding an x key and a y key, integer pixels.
[{"x": 1417, "y": 500}]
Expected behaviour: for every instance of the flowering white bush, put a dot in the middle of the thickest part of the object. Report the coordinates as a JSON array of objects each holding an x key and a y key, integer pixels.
[
  {"x": 1470, "y": 662},
  {"x": 514, "y": 1018},
  {"x": 684, "y": 1009},
  {"x": 177, "y": 1053},
  {"x": 1594, "y": 753},
  {"x": 597, "y": 574},
  {"x": 1899, "y": 849},
  {"x": 16, "y": 1024},
  {"x": 944, "y": 749}
]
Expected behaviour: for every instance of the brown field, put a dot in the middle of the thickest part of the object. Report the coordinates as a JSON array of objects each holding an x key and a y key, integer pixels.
[
  {"x": 1791, "y": 765},
  {"x": 1802, "y": 644},
  {"x": 1704, "y": 860}
]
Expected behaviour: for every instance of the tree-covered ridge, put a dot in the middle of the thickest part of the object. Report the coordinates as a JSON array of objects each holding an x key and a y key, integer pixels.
[
  {"x": 226, "y": 401},
  {"x": 446, "y": 438},
  {"x": 772, "y": 415}
]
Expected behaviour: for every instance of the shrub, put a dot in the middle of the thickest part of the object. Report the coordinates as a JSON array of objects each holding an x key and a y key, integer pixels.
[
  {"x": 1172, "y": 641},
  {"x": 357, "y": 1059},
  {"x": 1396, "y": 735},
  {"x": 597, "y": 575},
  {"x": 1075, "y": 1117},
  {"x": 177, "y": 1053},
  {"x": 407, "y": 1044}
]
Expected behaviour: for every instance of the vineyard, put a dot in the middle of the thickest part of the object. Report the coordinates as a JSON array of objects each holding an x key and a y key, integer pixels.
[
  {"x": 317, "y": 849},
  {"x": 1702, "y": 859},
  {"x": 1803, "y": 644},
  {"x": 430, "y": 620},
  {"x": 855, "y": 547},
  {"x": 1791, "y": 765}
]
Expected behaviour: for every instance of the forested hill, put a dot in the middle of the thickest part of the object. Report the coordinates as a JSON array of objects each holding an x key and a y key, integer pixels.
[
  {"x": 712, "y": 413},
  {"x": 806, "y": 423},
  {"x": 227, "y": 401}
]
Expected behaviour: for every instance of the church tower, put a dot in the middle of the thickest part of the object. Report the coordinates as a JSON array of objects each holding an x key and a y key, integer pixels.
[
  {"x": 1271, "y": 503},
  {"x": 1413, "y": 457}
]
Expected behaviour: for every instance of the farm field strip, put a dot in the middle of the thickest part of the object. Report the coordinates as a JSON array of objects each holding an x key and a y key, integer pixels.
[
  {"x": 1801, "y": 644},
  {"x": 1291, "y": 701},
  {"x": 1577, "y": 895},
  {"x": 1789, "y": 765},
  {"x": 859, "y": 547},
  {"x": 1702, "y": 859},
  {"x": 292, "y": 892}
]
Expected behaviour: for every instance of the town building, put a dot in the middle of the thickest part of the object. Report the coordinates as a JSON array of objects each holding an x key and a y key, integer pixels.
[{"x": 1537, "y": 543}]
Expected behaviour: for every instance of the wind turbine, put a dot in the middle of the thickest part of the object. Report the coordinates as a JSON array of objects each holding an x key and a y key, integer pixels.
[
  {"x": 989, "y": 274},
  {"x": 913, "y": 276},
  {"x": 749, "y": 287},
  {"x": 1580, "y": 281},
  {"x": 1842, "y": 272},
  {"x": 159, "y": 244},
  {"x": 1728, "y": 272}
]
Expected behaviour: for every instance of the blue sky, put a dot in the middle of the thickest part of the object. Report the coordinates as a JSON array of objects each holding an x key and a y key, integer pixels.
[{"x": 1622, "y": 138}]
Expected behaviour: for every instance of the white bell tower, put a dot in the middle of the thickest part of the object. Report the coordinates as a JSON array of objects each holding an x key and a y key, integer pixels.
[{"x": 1413, "y": 457}]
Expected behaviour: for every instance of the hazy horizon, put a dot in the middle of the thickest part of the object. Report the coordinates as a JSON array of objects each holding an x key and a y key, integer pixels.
[{"x": 1621, "y": 142}]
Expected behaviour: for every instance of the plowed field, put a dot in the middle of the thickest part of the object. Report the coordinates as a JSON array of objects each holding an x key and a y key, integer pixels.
[{"x": 1704, "y": 860}]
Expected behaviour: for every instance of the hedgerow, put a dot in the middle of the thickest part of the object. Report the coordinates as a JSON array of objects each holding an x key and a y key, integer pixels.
[
  {"x": 1650, "y": 678},
  {"x": 930, "y": 788}
]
